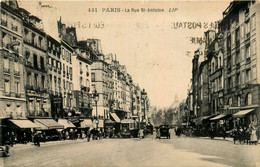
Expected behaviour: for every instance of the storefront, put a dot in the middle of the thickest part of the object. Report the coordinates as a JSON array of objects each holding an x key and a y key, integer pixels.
[
  {"x": 21, "y": 130},
  {"x": 48, "y": 128}
]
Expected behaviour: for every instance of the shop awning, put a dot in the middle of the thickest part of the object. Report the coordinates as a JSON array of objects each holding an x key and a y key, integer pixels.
[
  {"x": 66, "y": 123},
  {"x": 41, "y": 126},
  {"x": 218, "y": 117},
  {"x": 115, "y": 117},
  {"x": 242, "y": 113},
  {"x": 24, "y": 123},
  {"x": 50, "y": 123},
  {"x": 128, "y": 121},
  {"x": 86, "y": 123},
  {"x": 208, "y": 117}
]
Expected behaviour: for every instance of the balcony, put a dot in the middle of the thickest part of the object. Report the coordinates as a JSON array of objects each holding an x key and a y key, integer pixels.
[{"x": 7, "y": 70}]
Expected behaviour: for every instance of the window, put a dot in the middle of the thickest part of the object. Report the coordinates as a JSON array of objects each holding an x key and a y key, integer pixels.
[
  {"x": 248, "y": 76},
  {"x": 242, "y": 31},
  {"x": 247, "y": 28},
  {"x": 254, "y": 47},
  {"x": 36, "y": 80},
  {"x": 43, "y": 81},
  {"x": 238, "y": 79},
  {"x": 93, "y": 77},
  {"x": 6, "y": 63},
  {"x": 230, "y": 101},
  {"x": 253, "y": 20},
  {"x": 81, "y": 81},
  {"x": 242, "y": 54},
  {"x": 50, "y": 76},
  {"x": 87, "y": 83},
  {"x": 18, "y": 88},
  {"x": 64, "y": 84},
  {"x": 7, "y": 86},
  {"x": 35, "y": 61},
  {"x": 238, "y": 101},
  {"x": 33, "y": 39},
  {"x": 248, "y": 99},
  {"x": 42, "y": 63},
  {"x": 233, "y": 38},
  {"x": 248, "y": 51},
  {"x": 229, "y": 82},
  {"x": 28, "y": 80}
]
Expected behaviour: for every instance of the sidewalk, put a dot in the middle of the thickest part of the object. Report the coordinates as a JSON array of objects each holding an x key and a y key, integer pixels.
[{"x": 30, "y": 144}]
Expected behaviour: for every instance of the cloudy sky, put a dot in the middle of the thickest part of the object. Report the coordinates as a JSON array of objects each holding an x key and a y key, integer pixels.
[{"x": 153, "y": 45}]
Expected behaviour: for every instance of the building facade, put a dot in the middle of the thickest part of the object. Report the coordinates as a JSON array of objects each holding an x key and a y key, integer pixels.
[{"x": 12, "y": 92}]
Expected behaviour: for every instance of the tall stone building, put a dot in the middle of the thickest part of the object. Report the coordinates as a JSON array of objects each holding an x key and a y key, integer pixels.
[
  {"x": 241, "y": 34},
  {"x": 36, "y": 71},
  {"x": 12, "y": 93}
]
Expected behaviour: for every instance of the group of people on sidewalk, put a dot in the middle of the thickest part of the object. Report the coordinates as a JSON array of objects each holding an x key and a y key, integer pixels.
[{"x": 245, "y": 135}]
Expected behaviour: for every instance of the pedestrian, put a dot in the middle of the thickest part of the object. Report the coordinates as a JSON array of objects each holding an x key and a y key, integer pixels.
[
  {"x": 88, "y": 135},
  {"x": 158, "y": 134},
  {"x": 224, "y": 132},
  {"x": 253, "y": 137},
  {"x": 141, "y": 133}
]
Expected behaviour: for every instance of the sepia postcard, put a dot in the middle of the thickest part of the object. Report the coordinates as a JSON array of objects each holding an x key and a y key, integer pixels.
[{"x": 129, "y": 83}]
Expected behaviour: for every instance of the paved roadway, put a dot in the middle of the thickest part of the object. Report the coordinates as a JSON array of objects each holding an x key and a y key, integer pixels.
[{"x": 148, "y": 152}]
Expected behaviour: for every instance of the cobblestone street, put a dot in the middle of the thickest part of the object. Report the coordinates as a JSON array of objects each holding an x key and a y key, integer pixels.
[{"x": 181, "y": 151}]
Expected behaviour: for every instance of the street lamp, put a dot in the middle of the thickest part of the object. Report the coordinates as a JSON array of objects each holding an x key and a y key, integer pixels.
[
  {"x": 96, "y": 98},
  {"x": 144, "y": 96}
]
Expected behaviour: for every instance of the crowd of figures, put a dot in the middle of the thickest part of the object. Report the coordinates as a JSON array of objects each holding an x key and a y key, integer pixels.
[
  {"x": 242, "y": 134},
  {"x": 37, "y": 137}
]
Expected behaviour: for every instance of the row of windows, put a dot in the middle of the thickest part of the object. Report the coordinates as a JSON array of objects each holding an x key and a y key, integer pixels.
[
  {"x": 247, "y": 100},
  {"x": 10, "y": 22},
  {"x": 66, "y": 55},
  {"x": 238, "y": 79},
  {"x": 36, "y": 80},
  {"x": 34, "y": 39}
]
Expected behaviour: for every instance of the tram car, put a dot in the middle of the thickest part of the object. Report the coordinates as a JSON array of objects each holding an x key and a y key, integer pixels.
[{"x": 129, "y": 128}]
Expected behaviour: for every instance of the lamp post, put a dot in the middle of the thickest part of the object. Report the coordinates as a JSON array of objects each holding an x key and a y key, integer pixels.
[
  {"x": 96, "y": 98},
  {"x": 144, "y": 96}
]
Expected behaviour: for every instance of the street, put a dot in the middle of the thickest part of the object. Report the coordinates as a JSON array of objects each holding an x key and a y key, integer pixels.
[{"x": 181, "y": 151}]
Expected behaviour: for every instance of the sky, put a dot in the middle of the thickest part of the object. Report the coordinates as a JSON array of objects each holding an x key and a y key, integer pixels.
[{"x": 154, "y": 46}]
